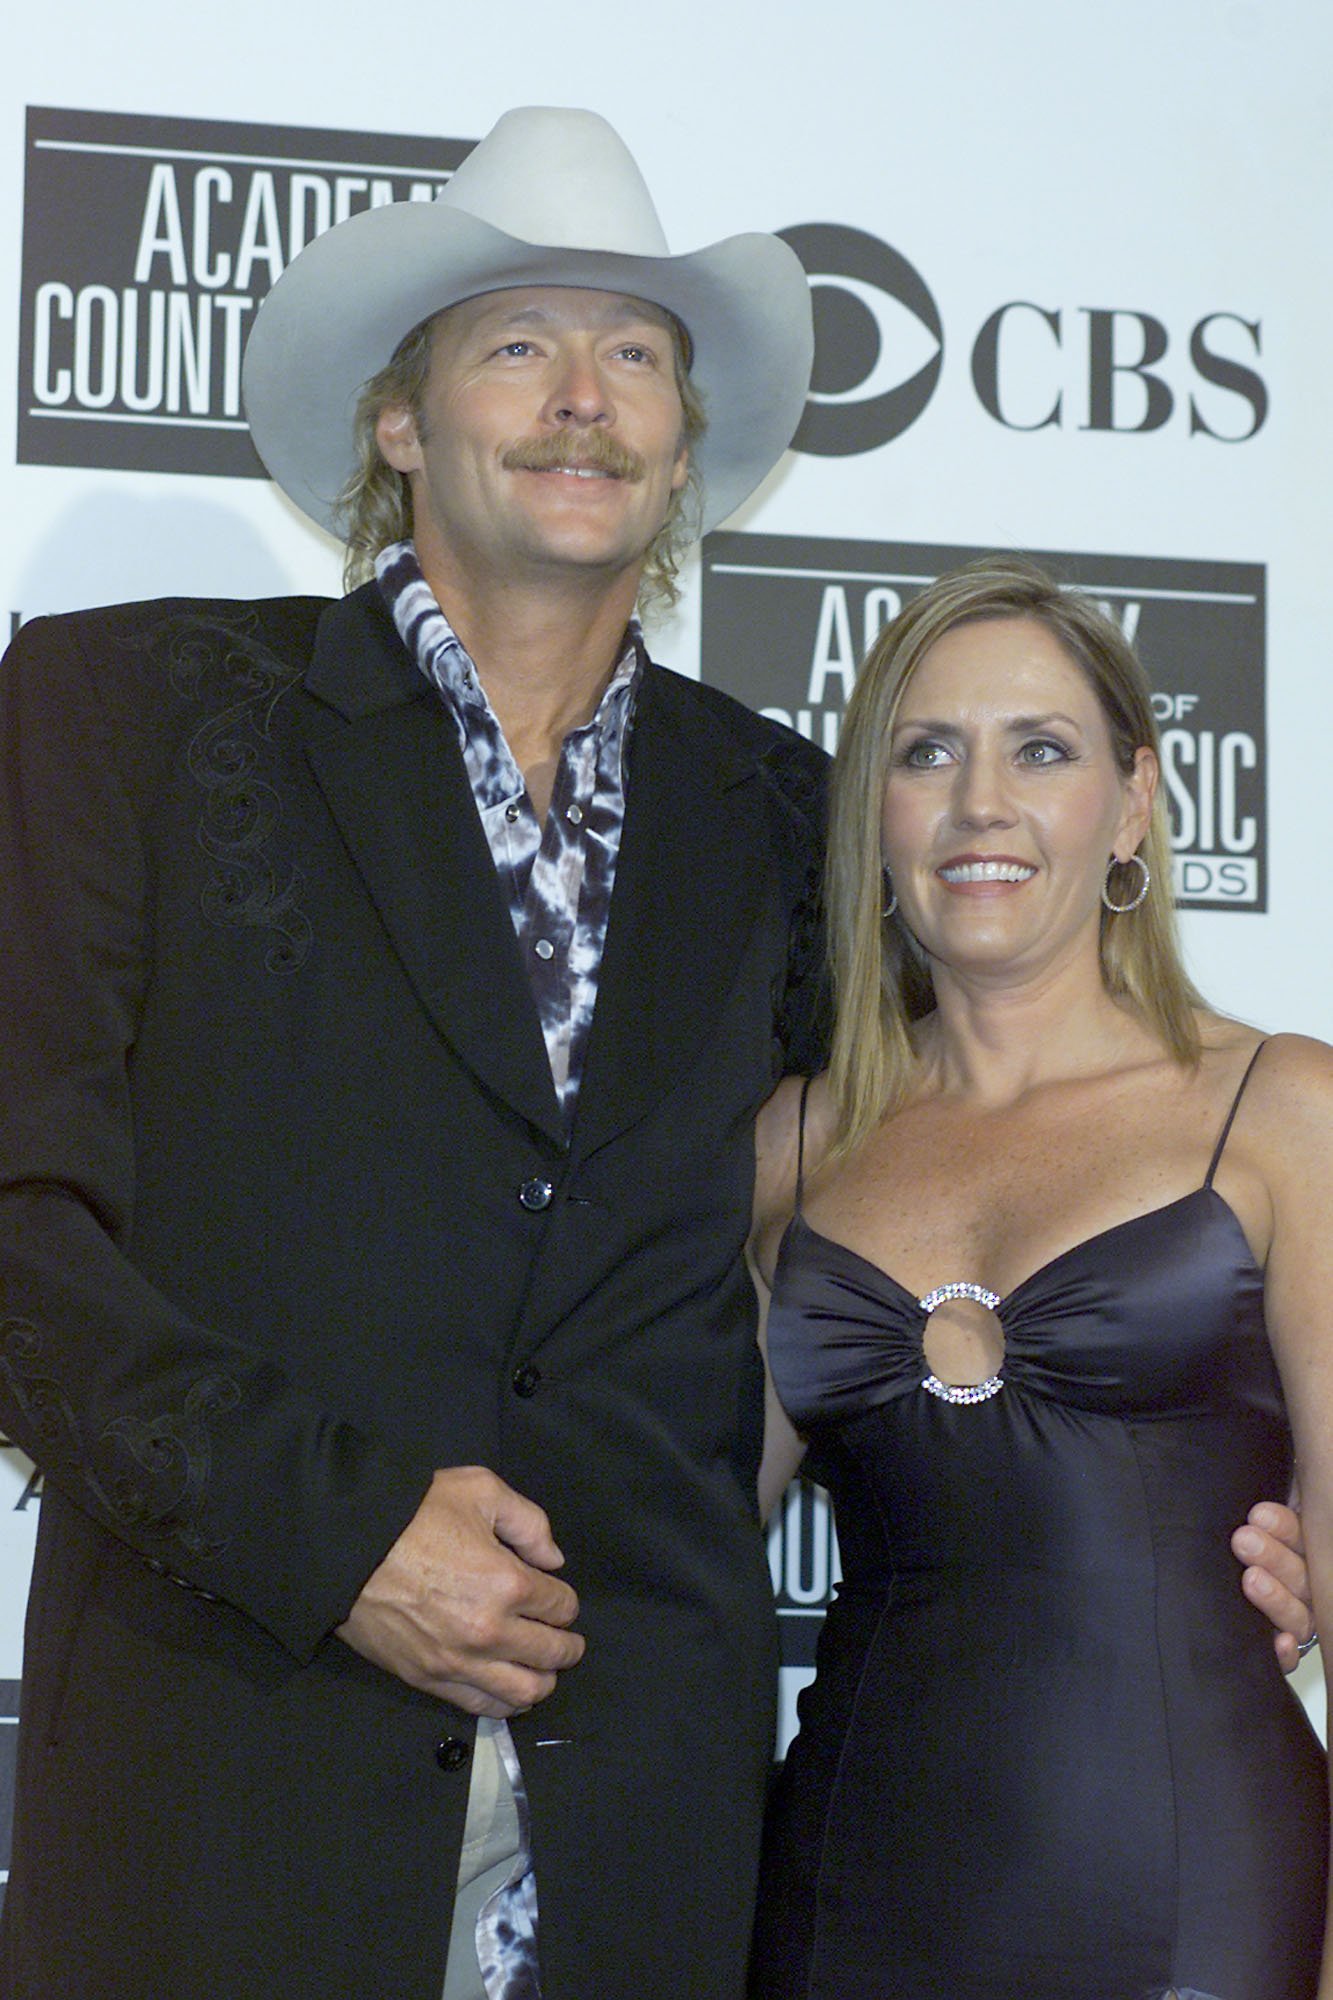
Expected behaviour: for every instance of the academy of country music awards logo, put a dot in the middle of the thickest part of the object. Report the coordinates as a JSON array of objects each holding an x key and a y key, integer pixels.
[
  {"x": 805, "y": 1568},
  {"x": 150, "y": 242},
  {"x": 20, "y": 1495},
  {"x": 808, "y": 608},
  {"x": 148, "y": 245}
]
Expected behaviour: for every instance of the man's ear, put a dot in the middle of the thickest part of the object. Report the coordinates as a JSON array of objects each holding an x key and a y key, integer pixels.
[{"x": 396, "y": 436}]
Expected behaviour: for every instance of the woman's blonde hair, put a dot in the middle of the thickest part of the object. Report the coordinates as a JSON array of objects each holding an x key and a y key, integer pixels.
[
  {"x": 881, "y": 980},
  {"x": 375, "y": 506}
]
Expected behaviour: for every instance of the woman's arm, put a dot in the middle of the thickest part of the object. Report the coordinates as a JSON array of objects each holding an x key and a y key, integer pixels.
[
  {"x": 784, "y": 1447},
  {"x": 1293, "y": 1140},
  {"x": 776, "y": 1152}
]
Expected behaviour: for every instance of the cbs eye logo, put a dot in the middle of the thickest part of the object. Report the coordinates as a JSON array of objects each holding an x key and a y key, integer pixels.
[{"x": 874, "y": 319}]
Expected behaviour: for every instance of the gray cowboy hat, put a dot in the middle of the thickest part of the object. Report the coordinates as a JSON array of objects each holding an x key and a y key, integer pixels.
[{"x": 549, "y": 197}]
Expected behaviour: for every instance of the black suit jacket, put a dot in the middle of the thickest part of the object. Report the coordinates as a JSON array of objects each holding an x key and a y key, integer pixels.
[{"x": 287, "y": 1220}]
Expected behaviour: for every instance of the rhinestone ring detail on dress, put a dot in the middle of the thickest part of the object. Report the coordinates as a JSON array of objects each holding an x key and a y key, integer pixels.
[{"x": 967, "y": 1392}]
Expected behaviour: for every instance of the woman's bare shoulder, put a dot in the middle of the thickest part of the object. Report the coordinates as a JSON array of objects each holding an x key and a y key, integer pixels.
[
  {"x": 1288, "y": 1103},
  {"x": 1295, "y": 1076},
  {"x": 1288, "y": 1060}
]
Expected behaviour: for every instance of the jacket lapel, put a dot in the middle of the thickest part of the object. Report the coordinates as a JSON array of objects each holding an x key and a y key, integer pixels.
[
  {"x": 386, "y": 758},
  {"x": 688, "y": 882}
]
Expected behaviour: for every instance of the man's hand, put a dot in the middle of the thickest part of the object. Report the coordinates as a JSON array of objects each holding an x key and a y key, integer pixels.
[
  {"x": 1275, "y": 1579},
  {"x": 463, "y": 1606}
]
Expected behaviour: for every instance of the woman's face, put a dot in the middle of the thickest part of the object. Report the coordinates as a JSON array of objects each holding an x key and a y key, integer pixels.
[{"x": 1004, "y": 804}]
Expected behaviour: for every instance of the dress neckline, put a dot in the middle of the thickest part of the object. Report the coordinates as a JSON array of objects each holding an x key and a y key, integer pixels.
[
  {"x": 1207, "y": 1192},
  {"x": 1051, "y": 1264}
]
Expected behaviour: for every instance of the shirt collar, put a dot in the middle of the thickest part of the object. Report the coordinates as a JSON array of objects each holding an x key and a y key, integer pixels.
[{"x": 442, "y": 656}]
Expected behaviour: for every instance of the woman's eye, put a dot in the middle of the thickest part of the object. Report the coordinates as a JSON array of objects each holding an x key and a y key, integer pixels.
[
  {"x": 1043, "y": 750},
  {"x": 924, "y": 755}
]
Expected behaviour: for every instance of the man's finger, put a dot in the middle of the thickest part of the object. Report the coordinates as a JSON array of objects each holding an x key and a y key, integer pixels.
[
  {"x": 1282, "y": 1523},
  {"x": 524, "y": 1527},
  {"x": 497, "y": 1694},
  {"x": 1285, "y": 1566}
]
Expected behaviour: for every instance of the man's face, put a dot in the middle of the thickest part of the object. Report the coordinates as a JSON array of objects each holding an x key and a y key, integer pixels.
[{"x": 548, "y": 440}]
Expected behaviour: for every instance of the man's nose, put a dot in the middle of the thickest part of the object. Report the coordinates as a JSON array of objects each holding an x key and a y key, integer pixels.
[{"x": 578, "y": 392}]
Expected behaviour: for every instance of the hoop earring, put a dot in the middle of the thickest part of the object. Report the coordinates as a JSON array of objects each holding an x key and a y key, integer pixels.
[
  {"x": 890, "y": 892},
  {"x": 1131, "y": 861}
]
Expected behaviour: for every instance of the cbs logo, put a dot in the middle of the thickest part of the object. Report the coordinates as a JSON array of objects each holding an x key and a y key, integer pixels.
[
  {"x": 871, "y": 308},
  {"x": 879, "y": 352}
]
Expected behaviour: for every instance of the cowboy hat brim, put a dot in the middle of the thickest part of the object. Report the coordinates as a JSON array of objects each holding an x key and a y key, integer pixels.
[{"x": 338, "y": 312}]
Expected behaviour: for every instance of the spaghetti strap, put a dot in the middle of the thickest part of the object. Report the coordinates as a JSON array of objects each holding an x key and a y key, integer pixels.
[
  {"x": 800, "y": 1145},
  {"x": 1235, "y": 1106}
]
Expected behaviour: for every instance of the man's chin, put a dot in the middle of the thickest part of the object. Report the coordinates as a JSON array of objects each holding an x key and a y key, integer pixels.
[{"x": 587, "y": 545}]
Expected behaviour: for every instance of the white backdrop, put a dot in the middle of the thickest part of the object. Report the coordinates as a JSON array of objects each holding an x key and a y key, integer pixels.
[{"x": 1105, "y": 167}]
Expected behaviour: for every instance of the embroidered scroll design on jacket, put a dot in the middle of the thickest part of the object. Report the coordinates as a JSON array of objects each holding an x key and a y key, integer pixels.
[
  {"x": 159, "y": 1466},
  {"x": 209, "y": 661}
]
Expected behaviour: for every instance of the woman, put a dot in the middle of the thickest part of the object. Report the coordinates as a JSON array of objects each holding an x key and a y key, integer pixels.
[{"x": 1054, "y": 1224}]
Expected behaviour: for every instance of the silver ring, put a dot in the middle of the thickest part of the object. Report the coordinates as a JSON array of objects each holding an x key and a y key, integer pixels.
[
  {"x": 961, "y": 1392},
  {"x": 1307, "y": 1645},
  {"x": 960, "y": 1289}
]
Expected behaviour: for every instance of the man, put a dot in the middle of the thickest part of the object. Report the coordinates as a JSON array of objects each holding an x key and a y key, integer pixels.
[
  {"x": 352, "y": 1257},
  {"x": 389, "y": 988}
]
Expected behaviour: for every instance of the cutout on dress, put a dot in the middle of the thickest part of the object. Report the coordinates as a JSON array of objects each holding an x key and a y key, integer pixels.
[{"x": 963, "y": 1343}]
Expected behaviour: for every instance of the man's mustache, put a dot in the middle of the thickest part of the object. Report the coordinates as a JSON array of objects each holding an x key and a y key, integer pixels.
[{"x": 592, "y": 450}]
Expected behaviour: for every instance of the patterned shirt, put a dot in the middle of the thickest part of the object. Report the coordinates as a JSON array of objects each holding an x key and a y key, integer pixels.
[
  {"x": 559, "y": 880},
  {"x": 558, "y": 877}
]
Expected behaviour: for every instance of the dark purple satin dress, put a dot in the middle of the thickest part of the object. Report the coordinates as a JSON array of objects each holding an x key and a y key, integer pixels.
[{"x": 1048, "y": 1754}]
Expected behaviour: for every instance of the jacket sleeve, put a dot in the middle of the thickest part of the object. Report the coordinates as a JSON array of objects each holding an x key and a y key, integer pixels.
[
  {"x": 800, "y": 774},
  {"x": 198, "y": 1453}
]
